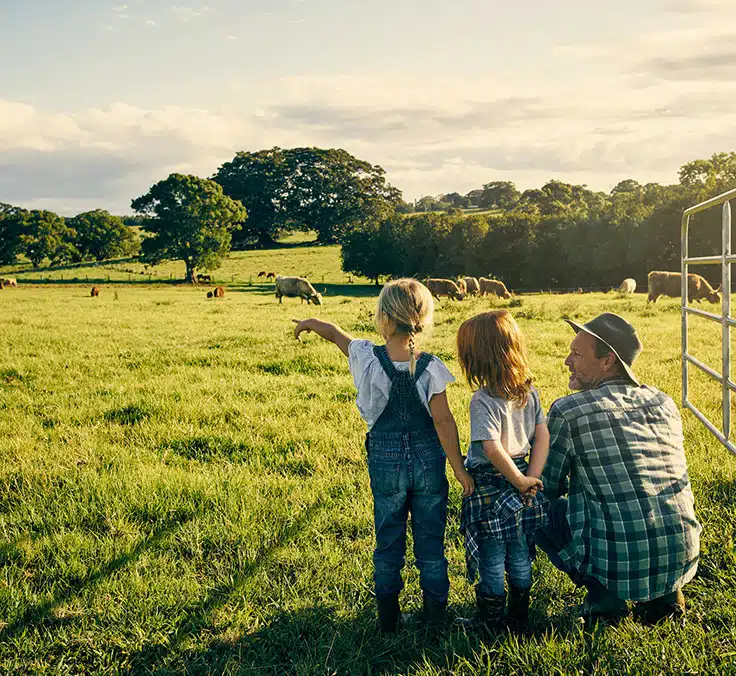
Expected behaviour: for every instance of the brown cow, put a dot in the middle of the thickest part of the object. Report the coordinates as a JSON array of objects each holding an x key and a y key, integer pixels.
[
  {"x": 271, "y": 275},
  {"x": 663, "y": 283},
  {"x": 261, "y": 274},
  {"x": 219, "y": 292},
  {"x": 493, "y": 286},
  {"x": 10, "y": 281},
  {"x": 444, "y": 287},
  {"x": 204, "y": 278},
  {"x": 95, "y": 291},
  {"x": 462, "y": 286},
  {"x": 471, "y": 284}
]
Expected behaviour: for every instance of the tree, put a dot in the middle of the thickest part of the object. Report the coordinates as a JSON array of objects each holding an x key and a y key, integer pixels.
[
  {"x": 260, "y": 181},
  {"x": 629, "y": 185},
  {"x": 456, "y": 200},
  {"x": 373, "y": 249},
  {"x": 714, "y": 175},
  {"x": 46, "y": 235},
  {"x": 498, "y": 195},
  {"x": 331, "y": 191},
  {"x": 192, "y": 220},
  {"x": 11, "y": 221},
  {"x": 101, "y": 236},
  {"x": 328, "y": 191}
]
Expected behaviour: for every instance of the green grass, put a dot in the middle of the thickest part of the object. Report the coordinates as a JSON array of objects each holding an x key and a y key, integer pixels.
[{"x": 183, "y": 490}]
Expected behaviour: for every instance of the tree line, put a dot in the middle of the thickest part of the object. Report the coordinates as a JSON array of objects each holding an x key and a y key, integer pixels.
[{"x": 559, "y": 235}]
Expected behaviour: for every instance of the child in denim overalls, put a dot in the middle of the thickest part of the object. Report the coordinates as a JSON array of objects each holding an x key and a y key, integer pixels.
[
  {"x": 506, "y": 423},
  {"x": 411, "y": 431}
]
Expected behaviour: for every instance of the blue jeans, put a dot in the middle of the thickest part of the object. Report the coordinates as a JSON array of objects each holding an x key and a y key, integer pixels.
[
  {"x": 497, "y": 557},
  {"x": 408, "y": 477},
  {"x": 555, "y": 536}
]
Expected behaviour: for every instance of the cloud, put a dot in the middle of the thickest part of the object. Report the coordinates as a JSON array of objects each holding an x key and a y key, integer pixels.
[
  {"x": 186, "y": 13},
  {"x": 231, "y": 37},
  {"x": 699, "y": 6},
  {"x": 150, "y": 22}
]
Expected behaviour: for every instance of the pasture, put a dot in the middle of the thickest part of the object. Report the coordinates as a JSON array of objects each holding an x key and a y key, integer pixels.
[{"x": 183, "y": 489}]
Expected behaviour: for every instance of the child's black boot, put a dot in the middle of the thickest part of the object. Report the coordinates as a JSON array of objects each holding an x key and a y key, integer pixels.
[
  {"x": 388, "y": 614},
  {"x": 434, "y": 613},
  {"x": 517, "y": 615},
  {"x": 490, "y": 610}
]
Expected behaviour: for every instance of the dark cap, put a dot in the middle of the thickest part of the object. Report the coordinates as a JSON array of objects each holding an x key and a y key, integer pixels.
[{"x": 618, "y": 334}]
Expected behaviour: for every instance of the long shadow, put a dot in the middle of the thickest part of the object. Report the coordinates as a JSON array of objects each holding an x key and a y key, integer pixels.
[
  {"x": 327, "y": 290},
  {"x": 40, "y": 613},
  {"x": 198, "y": 616}
]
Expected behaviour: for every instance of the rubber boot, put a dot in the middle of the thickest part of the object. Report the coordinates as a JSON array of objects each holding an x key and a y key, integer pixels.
[
  {"x": 490, "y": 610},
  {"x": 670, "y": 605},
  {"x": 388, "y": 614},
  {"x": 434, "y": 613},
  {"x": 601, "y": 604},
  {"x": 517, "y": 615}
]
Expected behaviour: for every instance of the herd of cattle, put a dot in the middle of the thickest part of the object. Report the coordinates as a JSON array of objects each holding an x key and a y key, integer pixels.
[{"x": 660, "y": 283}]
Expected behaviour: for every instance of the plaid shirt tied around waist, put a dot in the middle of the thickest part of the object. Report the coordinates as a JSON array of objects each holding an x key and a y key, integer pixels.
[{"x": 496, "y": 511}]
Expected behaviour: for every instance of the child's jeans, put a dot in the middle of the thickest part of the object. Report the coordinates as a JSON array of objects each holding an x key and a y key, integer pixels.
[
  {"x": 408, "y": 476},
  {"x": 497, "y": 557}
]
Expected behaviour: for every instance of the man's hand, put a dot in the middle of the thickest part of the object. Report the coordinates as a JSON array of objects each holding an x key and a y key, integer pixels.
[{"x": 526, "y": 484}]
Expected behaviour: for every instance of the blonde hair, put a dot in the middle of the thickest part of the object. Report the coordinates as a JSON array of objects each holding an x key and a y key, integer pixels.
[
  {"x": 405, "y": 306},
  {"x": 493, "y": 357}
]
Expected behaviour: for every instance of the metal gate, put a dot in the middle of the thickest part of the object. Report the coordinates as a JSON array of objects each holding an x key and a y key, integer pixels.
[{"x": 724, "y": 319}]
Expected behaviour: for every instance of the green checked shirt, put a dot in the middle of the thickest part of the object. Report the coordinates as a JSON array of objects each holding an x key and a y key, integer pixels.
[{"x": 617, "y": 451}]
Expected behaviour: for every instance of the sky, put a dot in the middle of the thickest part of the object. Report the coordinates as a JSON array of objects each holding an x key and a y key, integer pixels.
[{"x": 99, "y": 100}]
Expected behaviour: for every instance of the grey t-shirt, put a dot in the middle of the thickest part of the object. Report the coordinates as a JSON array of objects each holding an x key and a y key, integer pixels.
[{"x": 496, "y": 419}]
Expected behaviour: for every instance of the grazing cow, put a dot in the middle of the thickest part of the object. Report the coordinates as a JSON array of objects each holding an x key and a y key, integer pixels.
[
  {"x": 219, "y": 292},
  {"x": 261, "y": 274},
  {"x": 493, "y": 286},
  {"x": 95, "y": 291},
  {"x": 297, "y": 287},
  {"x": 471, "y": 284},
  {"x": 627, "y": 286},
  {"x": 462, "y": 286},
  {"x": 580, "y": 291},
  {"x": 204, "y": 278},
  {"x": 444, "y": 287},
  {"x": 669, "y": 284},
  {"x": 271, "y": 275},
  {"x": 209, "y": 294},
  {"x": 10, "y": 281}
]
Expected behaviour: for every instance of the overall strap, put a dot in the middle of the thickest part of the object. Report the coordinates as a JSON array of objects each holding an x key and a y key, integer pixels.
[
  {"x": 382, "y": 354},
  {"x": 422, "y": 363}
]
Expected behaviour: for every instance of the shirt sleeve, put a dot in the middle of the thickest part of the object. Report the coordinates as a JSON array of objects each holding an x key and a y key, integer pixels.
[
  {"x": 561, "y": 453},
  {"x": 439, "y": 377},
  {"x": 485, "y": 420},
  {"x": 540, "y": 418},
  {"x": 360, "y": 356}
]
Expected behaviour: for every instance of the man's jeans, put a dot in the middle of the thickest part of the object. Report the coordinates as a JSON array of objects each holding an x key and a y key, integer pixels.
[
  {"x": 497, "y": 557},
  {"x": 555, "y": 536},
  {"x": 409, "y": 481}
]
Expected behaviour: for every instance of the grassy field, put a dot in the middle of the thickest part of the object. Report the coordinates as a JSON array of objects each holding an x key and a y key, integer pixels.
[{"x": 183, "y": 490}]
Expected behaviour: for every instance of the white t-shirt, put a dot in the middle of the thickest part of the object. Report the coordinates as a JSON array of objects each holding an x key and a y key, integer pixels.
[{"x": 374, "y": 385}]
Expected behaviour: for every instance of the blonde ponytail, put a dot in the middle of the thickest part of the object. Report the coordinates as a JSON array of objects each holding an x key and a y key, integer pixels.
[{"x": 412, "y": 357}]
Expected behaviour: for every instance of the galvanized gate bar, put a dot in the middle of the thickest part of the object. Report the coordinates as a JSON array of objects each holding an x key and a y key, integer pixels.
[{"x": 724, "y": 319}]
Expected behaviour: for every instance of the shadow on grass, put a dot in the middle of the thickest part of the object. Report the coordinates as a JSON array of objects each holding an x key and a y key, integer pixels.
[
  {"x": 197, "y": 618},
  {"x": 40, "y": 614},
  {"x": 327, "y": 290}
]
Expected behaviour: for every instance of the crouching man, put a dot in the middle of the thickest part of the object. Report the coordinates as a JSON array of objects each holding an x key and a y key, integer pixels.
[{"x": 627, "y": 529}]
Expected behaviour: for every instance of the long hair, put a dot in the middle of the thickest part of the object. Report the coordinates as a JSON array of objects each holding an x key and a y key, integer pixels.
[
  {"x": 493, "y": 357},
  {"x": 405, "y": 306}
]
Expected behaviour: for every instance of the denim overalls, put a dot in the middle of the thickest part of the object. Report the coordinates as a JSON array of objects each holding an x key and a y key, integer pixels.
[{"x": 406, "y": 465}]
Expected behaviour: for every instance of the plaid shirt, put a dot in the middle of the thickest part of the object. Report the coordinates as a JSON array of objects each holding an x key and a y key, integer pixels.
[
  {"x": 630, "y": 508},
  {"x": 496, "y": 511}
]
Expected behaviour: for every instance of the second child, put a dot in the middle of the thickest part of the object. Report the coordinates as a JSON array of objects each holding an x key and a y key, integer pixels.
[{"x": 506, "y": 423}]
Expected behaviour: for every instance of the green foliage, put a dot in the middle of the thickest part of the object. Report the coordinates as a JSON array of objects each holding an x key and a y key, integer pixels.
[
  {"x": 498, "y": 195},
  {"x": 326, "y": 191},
  {"x": 11, "y": 221},
  {"x": 101, "y": 236},
  {"x": 192, "y": 221},
  {"x": 46, "y": 235}
]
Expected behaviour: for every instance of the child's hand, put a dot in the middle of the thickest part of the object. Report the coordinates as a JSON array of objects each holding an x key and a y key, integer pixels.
[
  {"x": 526, "y": 484},
  {"x": 466, "y": 481},
  {"x": 301, "y": 326}
]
